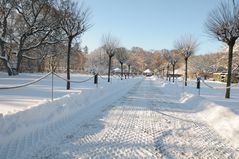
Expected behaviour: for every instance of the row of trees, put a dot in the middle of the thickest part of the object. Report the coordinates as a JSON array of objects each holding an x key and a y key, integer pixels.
[
  {"x": 222, "y": 23},
  {"x": 138, "y": 58},
  {"x": 207, "y": 64},
  {"x": 39, "y": 29},
  {"x": 160, "y": 61}
]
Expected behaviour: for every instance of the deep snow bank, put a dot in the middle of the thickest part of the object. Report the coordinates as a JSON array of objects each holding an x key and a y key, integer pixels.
[
  {"x": 49, "y": 112},
  {"x": 223, "y": 120}
]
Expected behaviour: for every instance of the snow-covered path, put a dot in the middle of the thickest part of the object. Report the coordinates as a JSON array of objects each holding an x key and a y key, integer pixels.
[{"x": 144, "y": 123}]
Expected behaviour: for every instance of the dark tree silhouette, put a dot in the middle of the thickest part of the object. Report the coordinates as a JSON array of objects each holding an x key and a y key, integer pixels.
[
  {"x": 186, "y": 46},
  {"x": 166, "y": 56},
  {"x": 109, "y": 45},
  {"x": 74, "y": 23},
  {"x": 35, "y": 26},
  {"x": 121, "y": 56},
  {"x": 5, "y": 11},
  {"x": 174, "y": 58},
  {"x": 223, "y": 24},
  {"x": 129, "y": 63}
]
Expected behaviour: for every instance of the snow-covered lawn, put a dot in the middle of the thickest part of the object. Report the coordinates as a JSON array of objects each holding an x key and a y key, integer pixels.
[
  {"x": 133, "y": 118},
  {"x": 15, "y": 100}
]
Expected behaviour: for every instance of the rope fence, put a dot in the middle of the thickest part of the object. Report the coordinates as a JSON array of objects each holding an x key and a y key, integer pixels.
[
  {"x": 102, "y": 77},
  {"x": 52, "y": 83},
  {"x": 53, "y": 73},
  {"x": 209, "y": 86},
  {"x": 27, "y": 84},
  {"x": 116, "y": 76},
  {"x": 234, "y": 85},
  {"x": 73, "y": 81},
  {"x": 41, "y": 78}
]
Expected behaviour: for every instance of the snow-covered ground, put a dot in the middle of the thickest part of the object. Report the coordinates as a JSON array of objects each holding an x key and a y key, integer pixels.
[
  {"x": 133, "y": 118},
  {"x": 15, "y": 100}
]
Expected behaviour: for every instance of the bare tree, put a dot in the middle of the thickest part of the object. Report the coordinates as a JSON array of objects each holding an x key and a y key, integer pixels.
[
  {"x": 74, "y": 23},
  {"x": 223, "y": 24},
  {"x": 109, "y": 45},
  {"x": 26, "y": 26},
  {"x": 129, "y": 63},
  {"x": 166, "y": 55},
  {"x": 186, "y": 46},
  {"x": 174, "y": 58},
  {"x": 97, "y": 61},
  {"x": 138, "y": 57},
  {"x": 35, "y": 25},
  {"x": 157, "y": 61},
  {"x": 203, "y": 64},
  {"x": 121, "y": 56}
]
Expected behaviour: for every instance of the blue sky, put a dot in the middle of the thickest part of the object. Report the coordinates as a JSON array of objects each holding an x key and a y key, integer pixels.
[{"x": 150, "y": 24}]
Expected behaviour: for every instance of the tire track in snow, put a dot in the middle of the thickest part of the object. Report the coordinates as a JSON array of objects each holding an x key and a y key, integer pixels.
[
  {"x": 151, "y": 133},
  {"x": 25, "y": 146}
]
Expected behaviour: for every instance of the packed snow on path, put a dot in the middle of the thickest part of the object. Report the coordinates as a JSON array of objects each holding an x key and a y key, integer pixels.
[{"x": 133, "y": 118}]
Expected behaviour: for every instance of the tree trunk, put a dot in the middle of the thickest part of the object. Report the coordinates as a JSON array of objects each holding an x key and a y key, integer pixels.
[
  {"x": 167, "y": 72},
  {"x": 5, "y": 60},
  {"x": 41, "y": 65},
  {"x": 186, "y": 71},
  {"x": 8, "y": 67},
  {"x": 128, "y": 70},
  {"x": 19, "y": 60},
  {"x": 68, "y": 84},
  {"x": 173, "y": 72},
  {"x": 229, "y": 70},
  {"x": 121, "y": 66},
  {"x": 109, "y": 68}
]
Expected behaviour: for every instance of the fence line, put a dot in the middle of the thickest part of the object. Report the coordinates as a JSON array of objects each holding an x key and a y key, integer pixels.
[
  {"x": 26, "y": 84},
  {"x": 102, "y": 77},
  {"x": 203, "y": 81},
  {"x": 73, "y": 81},
  {"x": 52, "y": 83},
  {"x": 234, "y": 85},
  {"x": 41, "y": 78},
  {"x": 116, "y": 76}
]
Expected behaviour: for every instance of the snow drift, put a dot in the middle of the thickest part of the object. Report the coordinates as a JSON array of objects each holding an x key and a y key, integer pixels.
[{"x": 49, "y": 112}]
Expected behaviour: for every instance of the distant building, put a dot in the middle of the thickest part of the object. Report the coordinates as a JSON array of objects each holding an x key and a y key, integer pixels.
[
  {"x": 116, "y": 71},
  {"x": 148, "y": 72},
  {"x": 222, "y": 77}
]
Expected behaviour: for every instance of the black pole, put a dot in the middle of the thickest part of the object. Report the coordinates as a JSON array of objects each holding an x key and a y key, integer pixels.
[{"x": 198, "y": 85}]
